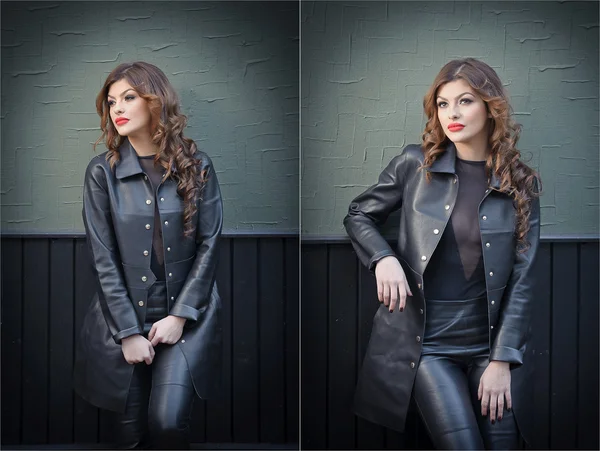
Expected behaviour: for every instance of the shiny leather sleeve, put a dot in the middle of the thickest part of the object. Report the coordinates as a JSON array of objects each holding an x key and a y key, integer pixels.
[
  {"x": 198, "y": 285},
  {"x": 371, "y": 209},
  {"x": 515, "y": 315},
  {"x": 117, "y": 308}
]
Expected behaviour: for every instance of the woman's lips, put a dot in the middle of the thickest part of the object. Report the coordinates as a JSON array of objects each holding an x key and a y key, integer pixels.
[
  {"x": 121, "y": 121},
  {"x": 455, "y": 128}
]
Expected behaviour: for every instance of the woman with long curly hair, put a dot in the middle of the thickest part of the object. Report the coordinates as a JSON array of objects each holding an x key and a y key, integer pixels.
[
  {"x": 451, "y": 333},
  {"x": 153, "y": 214}
]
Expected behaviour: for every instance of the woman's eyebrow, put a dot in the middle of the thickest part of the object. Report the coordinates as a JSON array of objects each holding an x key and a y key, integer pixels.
[
  {"x": 128, "y": 89},
  {"x": 466, "y": 92}
]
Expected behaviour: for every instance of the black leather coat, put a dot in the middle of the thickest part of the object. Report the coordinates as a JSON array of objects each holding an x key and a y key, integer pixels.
[
  {"x": 118, "y": 214},
  {"x": 385, "y": 384}
]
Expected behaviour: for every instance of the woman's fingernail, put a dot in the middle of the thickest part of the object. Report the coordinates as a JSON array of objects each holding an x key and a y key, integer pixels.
[
  {"x": 391, "y": 311},
  {"x": 499, "y": 418},
  {"x": 401, "y": 309},
  {"x": 493, "y": 421}
]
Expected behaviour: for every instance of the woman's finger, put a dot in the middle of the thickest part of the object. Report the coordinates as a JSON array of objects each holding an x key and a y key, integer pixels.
[
  {"x": 402, "y": 297},
  {"x": 152, "y": 332},
  {"x": 393, "y": 296},
  {"x": 500, "y": 406},
  {"x": 386, "y": 294},
  {"x": 485, "y": 402},
  {"x": 493, "y": 407},
  {"x": 155, "y": 340},
  {"x": 508, "y": 400},
  {"x": 480, "y": 391},
  {"x": 379, "y": 290},
  {"x": 407, "y": 287}
]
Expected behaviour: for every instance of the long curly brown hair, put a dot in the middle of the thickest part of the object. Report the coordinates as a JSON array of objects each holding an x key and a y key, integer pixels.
[
  {"x": 167, "y": 124},
  {"x": 517, "y": 179}
]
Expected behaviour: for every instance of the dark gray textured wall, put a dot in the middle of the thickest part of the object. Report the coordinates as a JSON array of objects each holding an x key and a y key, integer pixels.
[
  {"x": 366, "y": 67},
  {"x": 234, "y": 65}
]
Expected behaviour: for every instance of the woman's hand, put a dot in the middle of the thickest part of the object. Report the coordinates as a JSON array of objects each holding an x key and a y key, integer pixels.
[
  {"x": 392, "y": 286},
  {"x": 167, "y": 330},
  {"x": 137, "y": 349},
  {"x": 494, "y": 387}
]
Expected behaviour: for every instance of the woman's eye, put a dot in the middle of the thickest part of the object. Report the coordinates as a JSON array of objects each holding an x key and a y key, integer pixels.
[
  {"x": 129, "y": 97},
  {"x": 441, "y": 104},
  {"x": 467, "y": 100}
]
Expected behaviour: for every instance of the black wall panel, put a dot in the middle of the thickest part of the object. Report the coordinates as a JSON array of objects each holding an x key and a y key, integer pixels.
[{"x": 47, "y": 284}]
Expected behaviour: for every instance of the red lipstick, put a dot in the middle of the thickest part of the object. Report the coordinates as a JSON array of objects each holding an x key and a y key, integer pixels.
[
  {"x": 121, "y": 120},
  {"x": 455, "y": 127}
]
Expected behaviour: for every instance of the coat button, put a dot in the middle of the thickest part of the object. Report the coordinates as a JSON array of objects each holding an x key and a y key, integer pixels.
[
  {"x": 412, "y": 364},
  {"x": 487, "y": 244},
  {"x": 436, "y": 231},
  {"x": 148, "y": 201},
  {"x": 146, "y": 253},
  {"x": 421, "y": 311},
  {"x": 145, "y": 177},
  {"x": 170, "y": 274},
  {"x": 166, "y": 222},
  {"x": 183, "y": 341},
  {"x": 491, "y": 327},
  {"x": 147, "y": 226},
  {"x": 168, "y": 249},
  {"x": 491, "y": 273},
  {"x": 418, "y": 339},
  {"x": 419, "y": 285},
  {"x": 141, "y": 303},
  {"x": 447, "y": 207},
  {"x": 423, "y": 257},
  {"x": 493, "y": 302},
  {"x": 484, "y": 217},
  {"x": 162, "y": 199},
  {"x": 144, "y": 278},
  {"x": 172, "y": 298}
]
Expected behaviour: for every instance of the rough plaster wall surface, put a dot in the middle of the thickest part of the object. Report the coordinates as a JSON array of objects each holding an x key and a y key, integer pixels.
[
  {"x": 233, "y": 64},
  {"x": 367, "y": 65}
]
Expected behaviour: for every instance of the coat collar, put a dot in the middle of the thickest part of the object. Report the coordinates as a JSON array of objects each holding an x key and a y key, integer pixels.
[
  {"x": 128, "y": 164},
  {"x": 445, "y": 163}
]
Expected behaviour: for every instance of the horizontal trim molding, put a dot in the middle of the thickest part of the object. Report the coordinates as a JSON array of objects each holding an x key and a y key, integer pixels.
[
  {"x": 263, "y": 233},
  {"x": 574, "y": 238}
]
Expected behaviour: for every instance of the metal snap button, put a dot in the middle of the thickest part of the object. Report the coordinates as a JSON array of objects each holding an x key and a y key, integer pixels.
[
  {"x": 141, "y": 303},
  {"x": 146, "y": 253},
  {"x": 484, "y": 217},
  {"x": 144, "y": 278},
  {"x": 412, "y": 364},
  {"x": 162, "y": 199},
  {"x": 148, "y": 201},
  {"x": 147, "y": 226},
  {"x": 487, "y": 244},
  {"x": 183, "y": 341},
  {"x": 172, "y": 298},
  {"x": 436, "y": 231},
  {"x": 447, "y": 207},
  {"x": 168, "y": 249},
  {"x": 166, "y": 222},
  {"x": 419, "y": 285},
  {"x": 423, "y": 257},
  {"x": 493, "y": 302},
  {"x": 418, "y": 339},
  {"x": 491, "y": 327},
  {"x": 421, "y": 311},
  {"x": 491, "y": 273},
  {"x": 170, "y": 274}
]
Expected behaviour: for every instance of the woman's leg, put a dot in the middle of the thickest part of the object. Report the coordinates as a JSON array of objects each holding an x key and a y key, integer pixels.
[
  {"x": 503, "y": 434},
  {"x": 171, "y": 399},
  {"x": 441, "y": 393},
  {"x": 131, "y": 427}
]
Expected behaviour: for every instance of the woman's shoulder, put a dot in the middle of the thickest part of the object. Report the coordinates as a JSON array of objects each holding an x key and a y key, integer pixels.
[
  {"x": 203, "y": 158},
  {"x": 98, "y": 165},
  {"x": 411, "y": 155}
]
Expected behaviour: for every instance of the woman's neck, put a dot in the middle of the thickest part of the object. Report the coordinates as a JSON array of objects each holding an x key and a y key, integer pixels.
[
  {"x": 143, "y": 145},
  {"x": 472, "y": 151}
]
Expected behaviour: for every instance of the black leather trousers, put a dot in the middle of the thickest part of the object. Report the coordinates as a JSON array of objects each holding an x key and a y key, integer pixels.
[
  {"x": 455, "y": 355},
  {"x": 161, "y": 395}
]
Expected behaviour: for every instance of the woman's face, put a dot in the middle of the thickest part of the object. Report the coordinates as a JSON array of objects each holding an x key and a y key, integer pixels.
[
  {"x": 128, "y": 111},
  {"x": 462, "y": 113}
]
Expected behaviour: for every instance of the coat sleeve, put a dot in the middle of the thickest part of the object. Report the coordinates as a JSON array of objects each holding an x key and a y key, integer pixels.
[
  {"x": 117, "y": 308},
  {"x": 196, "y": 291},
  {"x": 513, "y": 324},
  {"x": 370, "y": 210}
]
